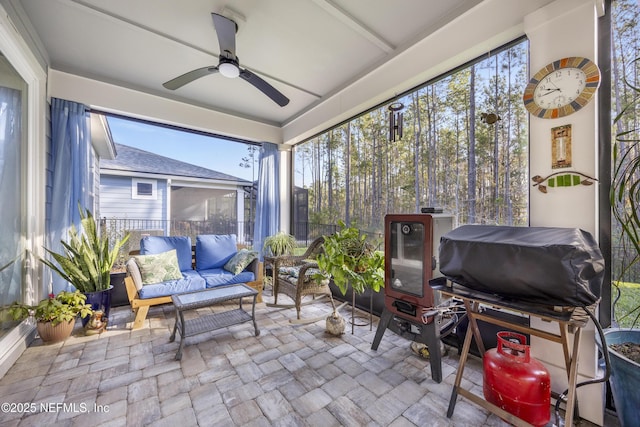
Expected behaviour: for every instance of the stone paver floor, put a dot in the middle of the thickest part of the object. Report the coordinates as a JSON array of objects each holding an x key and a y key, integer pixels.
[{"x": 290, "y": 375}]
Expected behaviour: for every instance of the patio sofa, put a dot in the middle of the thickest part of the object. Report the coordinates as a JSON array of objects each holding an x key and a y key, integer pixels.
[{"x": 169, "y": 265}]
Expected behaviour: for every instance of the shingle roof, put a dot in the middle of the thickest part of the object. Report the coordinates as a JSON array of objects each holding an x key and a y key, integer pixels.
[{"x": 135, "y": 160}]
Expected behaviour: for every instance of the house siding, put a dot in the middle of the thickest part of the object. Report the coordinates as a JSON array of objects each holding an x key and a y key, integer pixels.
[{"x": 116, "y": 200}]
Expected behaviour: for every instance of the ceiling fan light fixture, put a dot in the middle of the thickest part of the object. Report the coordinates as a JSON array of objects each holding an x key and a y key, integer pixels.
[
  {"x": 228, "y": 63},
  {"x": 229, "y": 70}
]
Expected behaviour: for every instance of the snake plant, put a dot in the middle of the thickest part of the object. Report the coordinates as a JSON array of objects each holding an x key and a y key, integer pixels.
[{"x": 87, "y": 259}]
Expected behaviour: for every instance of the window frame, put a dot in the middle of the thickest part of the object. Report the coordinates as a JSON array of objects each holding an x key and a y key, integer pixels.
[{"x": 135, "y": 194}]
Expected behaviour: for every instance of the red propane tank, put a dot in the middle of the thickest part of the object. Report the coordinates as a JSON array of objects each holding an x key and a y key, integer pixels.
[{"x": 515, "y": 382}]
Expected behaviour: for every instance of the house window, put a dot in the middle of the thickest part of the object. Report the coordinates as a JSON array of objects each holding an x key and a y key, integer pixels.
[{"x": 144, "y": 189}]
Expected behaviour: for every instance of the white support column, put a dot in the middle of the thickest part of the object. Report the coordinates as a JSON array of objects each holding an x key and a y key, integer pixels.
[
  {"x": 285, "y": 187},
  {"x": 167, "y": 216},
  {"x": 240, "y": 215},
  {"x": 561, "y": 29}
]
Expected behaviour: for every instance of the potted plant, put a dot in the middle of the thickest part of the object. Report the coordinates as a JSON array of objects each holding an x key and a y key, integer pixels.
[
  {"x": 276, "y": 245},
  {"x": 351, "y": 261},
  {"x": 55, "y": 315},
  {"x": 623, "y": 344},
  {"x": 279, "y": 244},
  {"x": 86, "y": 262}
]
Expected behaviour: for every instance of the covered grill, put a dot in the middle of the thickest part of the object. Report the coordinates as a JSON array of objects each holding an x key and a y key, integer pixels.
[
  {"x": 554, "y": 274},
  {"x": 541, "y": 265}
]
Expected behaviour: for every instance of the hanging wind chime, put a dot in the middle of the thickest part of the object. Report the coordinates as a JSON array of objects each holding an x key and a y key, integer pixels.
[{"x": 395, "y": 121}]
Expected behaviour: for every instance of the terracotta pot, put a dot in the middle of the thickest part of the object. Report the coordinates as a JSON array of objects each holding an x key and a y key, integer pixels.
[{"x": 51, "y": 334}]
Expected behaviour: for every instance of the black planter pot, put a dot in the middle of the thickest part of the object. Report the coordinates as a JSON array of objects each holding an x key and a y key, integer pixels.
[
  {"x": 364, "y": 300},
  {"x": 119, "y": 295},
  {"x": 99, "y": 300}
]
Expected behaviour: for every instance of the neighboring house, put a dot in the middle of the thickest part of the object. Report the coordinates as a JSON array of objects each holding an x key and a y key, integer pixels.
[{"x": 151, "y": 192}]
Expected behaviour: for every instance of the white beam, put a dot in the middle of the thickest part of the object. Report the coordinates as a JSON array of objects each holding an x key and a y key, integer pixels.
[{"x": 351, "y": 22}]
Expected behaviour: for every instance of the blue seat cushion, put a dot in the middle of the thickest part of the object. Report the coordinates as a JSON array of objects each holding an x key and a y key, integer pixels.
[
  {"x": 150, "y": 245},
  {"x": 219, "y": 277},
  {"x": 191, "y": 281},
  {"x": 214, "y": 250}
]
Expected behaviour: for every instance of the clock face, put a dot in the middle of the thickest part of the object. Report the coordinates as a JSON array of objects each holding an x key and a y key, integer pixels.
[
  {"x": 559, "y": 88},
  {"x": 562, "y": 87}
]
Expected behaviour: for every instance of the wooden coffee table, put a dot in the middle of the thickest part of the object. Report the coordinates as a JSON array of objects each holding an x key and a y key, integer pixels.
[{"x": 210, "y": 322}]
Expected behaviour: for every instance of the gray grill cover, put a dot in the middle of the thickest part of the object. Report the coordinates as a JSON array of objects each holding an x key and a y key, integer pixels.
[{"x": 551, "y": 266}]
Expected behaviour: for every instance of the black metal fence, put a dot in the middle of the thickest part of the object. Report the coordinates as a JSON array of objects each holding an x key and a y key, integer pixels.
[{"x": 116, "y": 228}]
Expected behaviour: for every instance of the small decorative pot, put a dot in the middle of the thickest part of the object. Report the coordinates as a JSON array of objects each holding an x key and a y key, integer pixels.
[
  {"x": 97, "y": 323},
  {"x": 52, "y": 334},
  {"x": 99, "y": 300},
  {"x": 335, "y": 324}
]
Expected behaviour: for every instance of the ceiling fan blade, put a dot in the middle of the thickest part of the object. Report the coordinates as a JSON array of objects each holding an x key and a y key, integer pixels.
[
  {"x": 182, "y": 80},
  {"x": 265, "y": 87},
  {"x": 226, "y": 31}
]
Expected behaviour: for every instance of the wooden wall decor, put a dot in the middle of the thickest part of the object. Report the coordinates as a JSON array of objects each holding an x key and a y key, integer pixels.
[{"x": 561, "y": 147}]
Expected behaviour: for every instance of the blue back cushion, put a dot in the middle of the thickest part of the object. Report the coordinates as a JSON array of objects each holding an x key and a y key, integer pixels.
[
  {"x": 157, "y": 244},
  {"x": 214, "y": 250}
]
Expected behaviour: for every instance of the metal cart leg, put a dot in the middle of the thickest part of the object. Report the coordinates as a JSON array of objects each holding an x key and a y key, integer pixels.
[{"x": 430, "y": 335}]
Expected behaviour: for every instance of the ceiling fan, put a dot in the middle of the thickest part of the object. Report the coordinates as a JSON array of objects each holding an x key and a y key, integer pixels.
[{"x": 228, "y": 65}]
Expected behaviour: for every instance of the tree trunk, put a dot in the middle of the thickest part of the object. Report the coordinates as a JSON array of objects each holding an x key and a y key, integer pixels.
[
  {"x": 417, "y": 126},
  {"x": 347, "y": 176},
  {"x": 496, "y": 153},
  {"x": 471, "y": 170}
]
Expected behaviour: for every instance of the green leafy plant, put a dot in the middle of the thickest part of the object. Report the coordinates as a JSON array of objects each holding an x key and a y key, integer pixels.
[
  {"x": 279, "y": 244},
  {"x": 349, "y": 259},
  {"x": 625, "y": 194},
  {"x": 115, "y": 234},
  {"x": 87, "y": 259},
  {"x": 63, "y": 307}
]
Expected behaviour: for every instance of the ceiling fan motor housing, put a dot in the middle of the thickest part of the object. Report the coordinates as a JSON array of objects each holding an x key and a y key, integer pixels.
[{"x": 229, "y": 67}]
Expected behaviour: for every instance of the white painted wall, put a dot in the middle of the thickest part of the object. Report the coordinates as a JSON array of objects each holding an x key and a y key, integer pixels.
[{"x": 561, "y": 29}]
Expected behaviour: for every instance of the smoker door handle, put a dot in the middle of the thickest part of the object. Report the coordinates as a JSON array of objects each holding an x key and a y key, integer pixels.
[{"x": 405, "y": 307}]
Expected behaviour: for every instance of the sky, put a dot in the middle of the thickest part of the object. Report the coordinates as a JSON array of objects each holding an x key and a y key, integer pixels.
[{"x": 209, "y": 152}]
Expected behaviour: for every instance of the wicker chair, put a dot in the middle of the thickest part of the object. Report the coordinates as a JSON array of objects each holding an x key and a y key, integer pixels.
[{"x": 293, "y": 276}]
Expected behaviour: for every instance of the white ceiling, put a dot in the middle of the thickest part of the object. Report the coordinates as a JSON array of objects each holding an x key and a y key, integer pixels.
[{"x": 308, "y": 49}]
